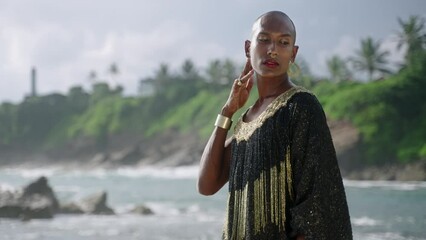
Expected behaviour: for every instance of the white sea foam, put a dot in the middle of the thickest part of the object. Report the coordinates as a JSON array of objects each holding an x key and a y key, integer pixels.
[
  {"x": 166, "y": 172},
  {"x": 87, "y": 233},
  {"x": 392, "y": 185},
  {"x": 73, "y": 189},
  {"x": 31, "y": 172},
  {"x": 365, "y": 221},
  {"x": 164, "y": 209},
  {"x": 182, "y": 172},
  {"x": 381, "y": 236},
  {"x": 4, "y": 187},
  {"x": 195, "y": 208}
]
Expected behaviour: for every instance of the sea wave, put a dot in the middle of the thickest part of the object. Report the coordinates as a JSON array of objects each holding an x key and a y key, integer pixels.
[
  {"x": 31, "y": 172},
  {"x": 392, "y": 185},
  {"x": 166, "y": 172},
  {"x": 365, "y": 221},
  {"x": 181, "y": 172},
  {"x": 384, "y": 235},
  {"x": 5, "y": 187}
]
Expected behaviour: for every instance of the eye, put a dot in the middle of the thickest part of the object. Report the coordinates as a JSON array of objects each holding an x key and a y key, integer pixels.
[
  {"x": 262, "y": 39},
  {"x": 284, "y": 42}
]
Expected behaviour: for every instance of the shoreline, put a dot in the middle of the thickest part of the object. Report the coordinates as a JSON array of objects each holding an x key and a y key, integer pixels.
[
  {"x": 414, "y": 172},
  {"x": 173, "y": 149}
]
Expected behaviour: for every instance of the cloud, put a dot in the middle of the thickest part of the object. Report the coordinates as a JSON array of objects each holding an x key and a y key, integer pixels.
[
  {"x": 64, "y": 57},
  {"x": 345, "y": 47},
  {"x": 68, "y": 39}
]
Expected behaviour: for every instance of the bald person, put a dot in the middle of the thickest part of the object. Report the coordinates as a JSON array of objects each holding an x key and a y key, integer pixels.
[{"x": 280, "y": 162}]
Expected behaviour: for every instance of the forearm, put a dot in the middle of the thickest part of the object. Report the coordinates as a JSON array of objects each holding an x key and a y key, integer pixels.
[{"x": 214, "y": 165}]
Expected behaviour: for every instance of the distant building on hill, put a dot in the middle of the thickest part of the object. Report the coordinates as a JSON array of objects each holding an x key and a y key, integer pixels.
[{"x": 33, "y": 82}]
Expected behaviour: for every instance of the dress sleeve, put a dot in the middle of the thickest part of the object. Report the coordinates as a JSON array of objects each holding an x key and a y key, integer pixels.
[{"x": 319, "y": 209}]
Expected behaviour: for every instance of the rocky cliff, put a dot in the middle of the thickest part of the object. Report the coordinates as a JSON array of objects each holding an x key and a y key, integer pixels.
[{"x": 172, "y": 148}]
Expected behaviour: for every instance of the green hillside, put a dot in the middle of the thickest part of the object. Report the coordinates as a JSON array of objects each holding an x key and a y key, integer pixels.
[{"x": 389, "y": 111}]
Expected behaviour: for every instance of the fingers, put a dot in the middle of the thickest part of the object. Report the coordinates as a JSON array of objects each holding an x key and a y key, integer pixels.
[
  {"x": 239, "y": 82},
  {"x": 247, "y": 68},
  {"x": 245, "y": 74},
  {"x": 245, "y": 78},
  {"x": 241, "y": 89},
  {"x": 249, "y": 84}
]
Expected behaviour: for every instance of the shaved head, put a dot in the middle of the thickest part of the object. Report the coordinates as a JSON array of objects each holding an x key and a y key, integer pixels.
[
  {"x": 275, "y": 16},
  {"x": 272, "y": 42}
]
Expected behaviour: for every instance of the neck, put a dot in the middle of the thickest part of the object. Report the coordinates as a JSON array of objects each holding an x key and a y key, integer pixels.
[{"x": 272, "y": 87}]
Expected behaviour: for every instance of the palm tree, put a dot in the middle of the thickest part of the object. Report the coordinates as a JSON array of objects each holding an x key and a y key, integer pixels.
[
  {"x": 162, "y": 78},
  {"x": 189, "y": 72},
  {"x": 411, "y": 35},
  {"x": 338, "y": 69},
  {"x": 113, "y": 71},
  {"x": 93, "y": 76},
  {"x": 221, "y": 72},
  {"x": 214, "y": 71},
  {"x": 229, "y": 71},
  {"x": 370, "y": 59}
]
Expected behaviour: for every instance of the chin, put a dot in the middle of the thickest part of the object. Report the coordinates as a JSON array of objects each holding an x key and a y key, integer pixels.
[{"x": 268, "y": 74}]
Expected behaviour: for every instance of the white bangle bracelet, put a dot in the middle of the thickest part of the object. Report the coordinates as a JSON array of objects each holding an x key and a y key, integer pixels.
[{"x": 223, "y": 122}]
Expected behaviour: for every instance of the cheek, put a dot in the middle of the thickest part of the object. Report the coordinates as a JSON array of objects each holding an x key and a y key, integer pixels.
[
  {"x": 287, "y": 51},
  {"x": 253, "y": 50},
  {"x": 255, "y": 63}
]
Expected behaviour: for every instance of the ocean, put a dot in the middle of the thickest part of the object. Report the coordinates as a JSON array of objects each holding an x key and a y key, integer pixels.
[{"x": 379, "y": 209}]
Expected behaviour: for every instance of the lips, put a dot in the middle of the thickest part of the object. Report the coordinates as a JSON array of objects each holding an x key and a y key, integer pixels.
[{"x": 271, "y": 63}]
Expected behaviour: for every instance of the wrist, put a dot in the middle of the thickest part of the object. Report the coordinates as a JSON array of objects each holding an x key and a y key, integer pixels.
[
  {"x": 226, "y": 112},
  {"x": 223, "y": 122}
]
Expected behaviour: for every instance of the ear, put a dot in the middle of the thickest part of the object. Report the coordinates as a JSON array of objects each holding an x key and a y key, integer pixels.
[
  {"x": 247, "y": 44},
  {"x": 294, "y": 53}
]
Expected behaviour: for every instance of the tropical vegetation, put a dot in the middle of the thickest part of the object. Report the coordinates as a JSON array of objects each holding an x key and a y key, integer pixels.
[{"x": 389, "y": 110}]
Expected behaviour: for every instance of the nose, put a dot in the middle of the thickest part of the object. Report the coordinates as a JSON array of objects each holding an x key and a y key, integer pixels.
[{"x": 272, "y": 51}]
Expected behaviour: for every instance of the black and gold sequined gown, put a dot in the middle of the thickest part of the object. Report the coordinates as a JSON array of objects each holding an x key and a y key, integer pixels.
[{"x": 284, "y": 178}]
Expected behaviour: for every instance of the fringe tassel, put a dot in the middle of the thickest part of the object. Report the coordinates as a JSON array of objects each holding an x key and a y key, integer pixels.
[{"x": 280, "y": 178}]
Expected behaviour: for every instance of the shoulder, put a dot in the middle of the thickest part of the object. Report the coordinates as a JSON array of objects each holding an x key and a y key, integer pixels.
[
  {"x": 296, "y": 100},
  {"x": 305, "y": 105},
  {"x": 305, "y": 98},
  {"x": 306, "y": 101},
  {"x": 294, "y": 95}
]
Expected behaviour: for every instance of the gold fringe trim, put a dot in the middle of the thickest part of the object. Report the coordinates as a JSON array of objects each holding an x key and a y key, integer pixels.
[
  {"x": 289, "y": 173},
  {"x": 264, "y": 214},
  {"x": 243, "y": 130}
]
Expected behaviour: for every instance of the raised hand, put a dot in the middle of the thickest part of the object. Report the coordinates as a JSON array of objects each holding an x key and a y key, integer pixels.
[{"x": 240, "y": 91}]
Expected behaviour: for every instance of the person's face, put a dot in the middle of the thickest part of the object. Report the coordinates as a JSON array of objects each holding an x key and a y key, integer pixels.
[{"x": 272, "y": 46}]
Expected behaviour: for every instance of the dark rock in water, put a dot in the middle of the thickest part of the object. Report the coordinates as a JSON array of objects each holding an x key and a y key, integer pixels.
[
  {"x": 93, "y": 204},
  {"x": 70, "y": 208},
  {"x": 96, "y": 204},
  {"x": 142, "y": 209},
  {"x": 10, "y": 207},
  {"x": 36, "y": 200},
  {"x": 40, "y": 188},
  {"x": 37, "y": 207},
  {"x": 11, "y": 211}
]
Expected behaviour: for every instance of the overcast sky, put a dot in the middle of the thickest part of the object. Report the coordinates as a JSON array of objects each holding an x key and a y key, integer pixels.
[{"x": 66, "y": 39}]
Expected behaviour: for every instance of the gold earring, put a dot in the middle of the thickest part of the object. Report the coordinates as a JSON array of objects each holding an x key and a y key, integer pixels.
[{"x": 293, "y": 70}]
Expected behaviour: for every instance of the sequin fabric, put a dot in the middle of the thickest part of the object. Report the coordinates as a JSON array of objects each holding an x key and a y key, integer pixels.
[{"x": 284, "y": 178}]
